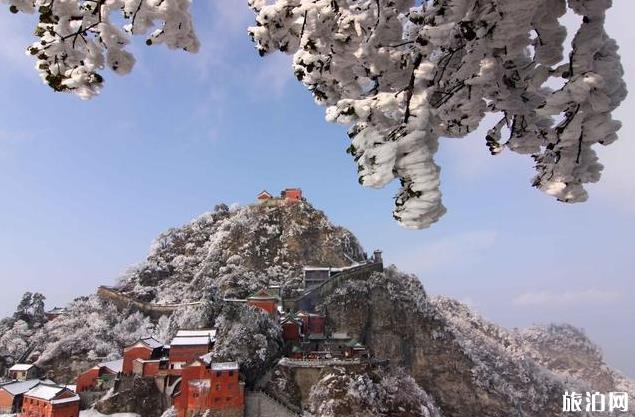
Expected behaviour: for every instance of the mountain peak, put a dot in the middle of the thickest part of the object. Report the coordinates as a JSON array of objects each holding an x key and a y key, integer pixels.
[{"x": 239, "y": 250}]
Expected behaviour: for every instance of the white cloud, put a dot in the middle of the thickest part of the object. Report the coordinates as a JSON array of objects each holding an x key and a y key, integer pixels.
[
  {"x": 448, "y": 251},
  {"x": 566, "y": 299}
]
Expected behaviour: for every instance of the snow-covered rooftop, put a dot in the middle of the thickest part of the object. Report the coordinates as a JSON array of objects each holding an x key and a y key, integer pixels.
[
  {"x": 190, "y": 341},
  {"x": 45, "y": 392},
  {"x": 21, "y": 367},
  {"x": 326, "y": 268},
  {"x": 66, "y": 400},
  {"x": 17, "y": 388},
  {"x": 225, "y": 366},
  {"x": 152, "y": 342},
  {"x": 197, "y": 333},
  {"x": 114, "y": 366}
]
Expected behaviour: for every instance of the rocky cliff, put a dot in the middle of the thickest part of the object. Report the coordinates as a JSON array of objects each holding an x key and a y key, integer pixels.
[{"x": 469, "y": 366}]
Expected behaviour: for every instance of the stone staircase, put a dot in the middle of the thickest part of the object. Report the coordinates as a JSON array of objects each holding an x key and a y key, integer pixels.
[{"x": 259, "y": 404}]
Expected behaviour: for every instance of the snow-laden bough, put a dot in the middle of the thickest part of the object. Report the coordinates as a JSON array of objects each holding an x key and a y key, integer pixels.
[
  {"x": 78, "y": 38},
  {"x": 403, "y": 73}
]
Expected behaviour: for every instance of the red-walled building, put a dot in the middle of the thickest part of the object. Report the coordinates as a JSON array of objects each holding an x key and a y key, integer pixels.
[
  {"x": 312, "y": 324},
  {"x": 291, "y": 329},
  {"x": 292, "y": 194},
  {"x": 210, "y": 386},
  {"x": 264, "y": 300},
  {"x": 189, "y": 345},
  {"x": 151, "y": 367},
  {"x": 99, "y": 377},
  {"x": 147, "y": 348},
  {"x": 47, "y": 400},
  {"x": 12, "y": 394}
]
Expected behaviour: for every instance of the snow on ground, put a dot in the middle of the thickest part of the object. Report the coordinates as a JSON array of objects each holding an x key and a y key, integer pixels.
[{"x": 95, "y": 413}]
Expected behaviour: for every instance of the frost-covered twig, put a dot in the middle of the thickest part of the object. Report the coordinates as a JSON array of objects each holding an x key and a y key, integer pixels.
[{"x": 413, "y": 71}]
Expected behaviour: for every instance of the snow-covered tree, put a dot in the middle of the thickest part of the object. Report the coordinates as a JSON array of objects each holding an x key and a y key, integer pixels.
[
  {"x": 402, "y": 73},
  {"x": 405, "y": 72},
  {"x": 248, "y": 336},
  {"x": 387, "y": 392},
  {"x": 78, "y": 38},
  {"x": 31, "y": 309}
]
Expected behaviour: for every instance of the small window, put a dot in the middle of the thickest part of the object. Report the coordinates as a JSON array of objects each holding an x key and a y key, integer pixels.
[
  {"x": 231, "y": 373},
  {"x": 217, "y": 399},
  {"x": 218, "y": 373},
  {"x": 217, "y": 387}
]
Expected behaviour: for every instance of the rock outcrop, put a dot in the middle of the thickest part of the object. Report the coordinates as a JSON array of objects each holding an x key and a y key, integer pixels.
[
  {"x": 469, "y": 366},
  {"x": 134, "y": 395}
]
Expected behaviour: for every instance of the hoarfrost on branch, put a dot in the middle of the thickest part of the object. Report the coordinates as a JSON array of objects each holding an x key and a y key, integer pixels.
[
  {"x": 404, "y": 73},
  {"x": 78, "y": 38},
  {"x": 401, "y": 73}
]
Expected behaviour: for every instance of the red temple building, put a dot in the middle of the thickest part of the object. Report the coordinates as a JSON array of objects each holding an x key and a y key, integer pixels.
[
  {"x": 291, "y": 194},
  {"x": 12, "y": 394},
  {"x": 265, "y": 300},
  {"x": 312, "y": 324},
  {"x": 46, "y": 400},
  {"x": 189, "y": 345},
  {"x": 210, "y": 386},
  {"x": 99, "y": 377},
  {"x": 291, "y": 329},
  {"x": 145, "y": 349}
]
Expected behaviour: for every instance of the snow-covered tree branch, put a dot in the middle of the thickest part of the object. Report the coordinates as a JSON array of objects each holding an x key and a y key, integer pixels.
[
  {"x": 78, "y": 38},
  {"x": 401, "y": 73},
  {"x": 404, "y": 73}
]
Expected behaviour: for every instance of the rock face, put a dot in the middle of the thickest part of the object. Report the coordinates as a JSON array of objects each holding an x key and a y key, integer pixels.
[
  {"x": 470, "y": 367},
  {"x": 134, "y": 395},
  {"x": 240, "y": 251},
  {"x": 569, "y": 353}
]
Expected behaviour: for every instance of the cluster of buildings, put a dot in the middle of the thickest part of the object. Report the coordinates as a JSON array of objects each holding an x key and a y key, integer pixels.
[
  {"x": 286, "y": 195},
  {"x": 306, "y": 333},
  {"x": 183, "y": 370},
  {"x": 33, "y": 397}
]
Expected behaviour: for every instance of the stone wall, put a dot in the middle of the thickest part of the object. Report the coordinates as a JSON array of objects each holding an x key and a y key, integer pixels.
[
  {"x": 123, "y": 301},
  {"x": 259, "y": 404},
  {"x": 310, "y": 300}
]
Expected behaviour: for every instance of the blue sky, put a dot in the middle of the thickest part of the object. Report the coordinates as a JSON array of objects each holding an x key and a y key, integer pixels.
[{"x": 86, "y": 186}]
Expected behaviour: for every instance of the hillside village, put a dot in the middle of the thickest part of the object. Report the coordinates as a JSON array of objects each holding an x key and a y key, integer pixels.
[
  {"x": 184, "y": 371},
  {"x": 269, "y": 310}
]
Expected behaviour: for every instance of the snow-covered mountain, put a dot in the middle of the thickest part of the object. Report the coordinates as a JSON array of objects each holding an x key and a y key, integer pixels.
[
  {"x": 239, "y": 251},
  {"x": 443, "y": 358}
]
